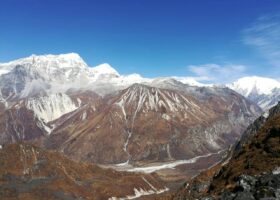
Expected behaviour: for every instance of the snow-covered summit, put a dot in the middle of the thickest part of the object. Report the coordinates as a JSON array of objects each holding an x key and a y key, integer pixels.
[
  {"x": 254, "y": 85},
  {"x": 62, "y": 67},
  {"x": 104, "y": 68},
  {"x": 263, "y": 91},
  {"x": 50, "y": 61},
  {"x": 61, "y": 72}
]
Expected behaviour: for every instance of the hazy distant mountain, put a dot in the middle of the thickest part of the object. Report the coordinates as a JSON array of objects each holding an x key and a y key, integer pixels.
[{"x": 263, "y": 91}]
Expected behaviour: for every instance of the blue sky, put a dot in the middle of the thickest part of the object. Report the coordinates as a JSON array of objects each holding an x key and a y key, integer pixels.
[{"x": 213, "y": 40}]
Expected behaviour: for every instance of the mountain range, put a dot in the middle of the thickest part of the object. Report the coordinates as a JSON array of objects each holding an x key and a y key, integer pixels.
[
  {"x": 57, "y": 73},
  {"x": 173, "y": 126}
]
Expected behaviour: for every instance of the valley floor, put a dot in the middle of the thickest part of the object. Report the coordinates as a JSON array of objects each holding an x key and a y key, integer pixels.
[{"x": 173, "y": 173}]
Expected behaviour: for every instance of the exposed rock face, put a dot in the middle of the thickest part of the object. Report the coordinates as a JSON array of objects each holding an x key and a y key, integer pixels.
[
  {"x": 28, "y": 172},
  {"x": 265, "y": 186},
  {"x": 20, "y": 124},
  {"x": 251, "y": 173},
  {"x": 259, "y": 187},
  {"x": 143, "y": 123}
]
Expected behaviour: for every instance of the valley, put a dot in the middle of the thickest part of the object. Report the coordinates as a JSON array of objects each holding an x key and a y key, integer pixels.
[
  {"x": 139, "y": 100},
  {"x": 151, "y": 135}
]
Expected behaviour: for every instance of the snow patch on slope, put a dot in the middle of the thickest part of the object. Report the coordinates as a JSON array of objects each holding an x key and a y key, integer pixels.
[
  {"x": 148, "y": 98},
  {"x": 141, "y": 192},
  {"x": 49, "y": 108}
]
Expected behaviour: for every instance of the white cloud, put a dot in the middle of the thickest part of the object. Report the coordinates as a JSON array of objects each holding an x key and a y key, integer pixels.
[
  {"x": 264, "y": 35},
  {"x": 217, "y": 73}
]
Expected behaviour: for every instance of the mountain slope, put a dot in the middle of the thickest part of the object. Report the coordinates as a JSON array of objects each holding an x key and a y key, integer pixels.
[
  {"x": 145, "y": 123},
  {"x": 20, "y": 124},
  {"x": 28, "y": 172},
  {"x": 251, "y": 173}
]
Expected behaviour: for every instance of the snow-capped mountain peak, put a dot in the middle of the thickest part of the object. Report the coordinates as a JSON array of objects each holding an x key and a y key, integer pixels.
[
  {"x": 50, "y": 61},
  {"x": 105, "y": 68},
  {"x": 255, "y": 84},
  {"x": 38, "y": 73},
  {"x": 263, "y": 91}
]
